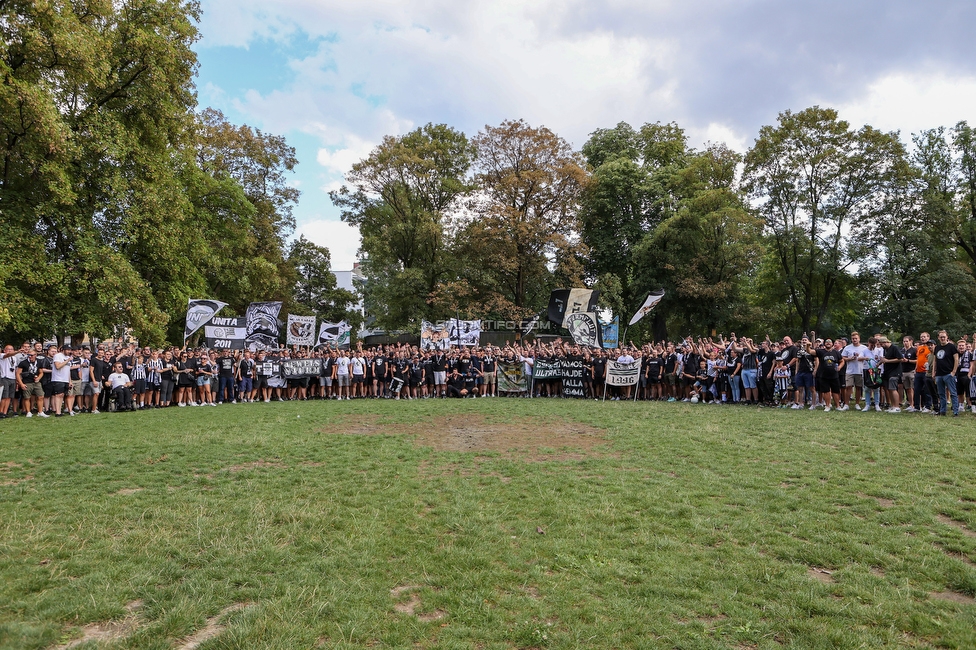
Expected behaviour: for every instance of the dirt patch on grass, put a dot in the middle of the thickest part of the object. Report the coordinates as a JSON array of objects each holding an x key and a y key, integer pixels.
[
  {"x": 127, "y": 491},
  {"x": 16, "y": 481},
  {"x": 107, "y": 631},
  {"x": 212, "y": 629},
  {"x": 884, "y": 503},
  {"x": 953, "y": 597},
  {"x": 958, "y": 525},
  {"x": 526, "y": 438},
  {"x": 822, "y": 575},
  {"x": 257, "y": 464},
  {"x": 413, "y": 603}
]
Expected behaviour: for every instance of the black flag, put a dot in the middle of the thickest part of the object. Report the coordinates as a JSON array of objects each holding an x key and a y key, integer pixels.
[{"x": 564, "y": 302}]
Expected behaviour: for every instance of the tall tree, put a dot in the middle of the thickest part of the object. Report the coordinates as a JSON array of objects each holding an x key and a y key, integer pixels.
[
  {"x": 820, "y": 185},
  {"x": 401, "y": 197},
  {"x": 315, "y": 290},
  {"x": 525, "y": 230}
]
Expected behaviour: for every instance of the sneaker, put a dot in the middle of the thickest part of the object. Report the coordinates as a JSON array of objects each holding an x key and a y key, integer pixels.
[
  {"x": 910, "y": 409},
  {"x": 844, "y": 407},
  {"x": 925, "y": 410},
  {"x": 233, "y": 401},
  {"x": 94, "y": 411},
  {"x": 813, "y": 407},
  {"x": 826, "y": 409},
  {"x": 71, "y": 412},
  {"x": 29, "y": 414},
  {"x": 974, "y": 409},
  {"x": 877, "y": 407},
  {"x": 42, "y": 414},
  {"x": 671, "y": 399},
  {"x": 857, "y": 407},
  {"x": 894, "y": 409}
]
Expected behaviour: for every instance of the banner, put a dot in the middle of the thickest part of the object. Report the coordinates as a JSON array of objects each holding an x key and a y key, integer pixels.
[
  {"x": 526, "y": 326},
  {"x": 298, "y": 368},
  {"x": 611, "y": 332},
  {"x": 225, "y": 333},
  {"x": 652, "y": 299},
  {"x": 547, "y": 369},
  {"x": 262, "y": 325},
  {"x": 198, "y": 312},
  {"x": 464, "y": 332},
  {"x": 623, "y": 374},
  {"x": 584, "y": 328},
  {"x": 511, "y": 378},
  {"x": 301, "y": 330},
  {"x": 434, "y": 337},
  {"x": 573, "y": 371},
  {"x": 564, "y": 302},
  {"x": 335, "y": 335}
]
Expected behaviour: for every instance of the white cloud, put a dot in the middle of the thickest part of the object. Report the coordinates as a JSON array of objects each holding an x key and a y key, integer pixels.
[
  {"x": 913, "y": 102},
  {"x": 341, "y": 160},
  {"x": 716, "y": 133},
  {"x": 340, "y": 238}
]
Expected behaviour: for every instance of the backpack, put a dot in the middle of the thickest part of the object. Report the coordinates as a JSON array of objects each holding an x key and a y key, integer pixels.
[{"x": 872, "y": 378}]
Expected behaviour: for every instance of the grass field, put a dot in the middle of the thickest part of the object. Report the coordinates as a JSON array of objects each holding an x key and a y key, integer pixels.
[{"x": 488, "y": 524}]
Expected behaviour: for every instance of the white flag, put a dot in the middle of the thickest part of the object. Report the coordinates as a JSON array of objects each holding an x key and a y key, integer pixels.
[
  {"x": 649, "y": 304},
  {"x": 301, "y": 330}
]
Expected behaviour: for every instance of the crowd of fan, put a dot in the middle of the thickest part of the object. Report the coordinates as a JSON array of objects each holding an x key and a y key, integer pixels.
[{"x": 927, "y": 376}]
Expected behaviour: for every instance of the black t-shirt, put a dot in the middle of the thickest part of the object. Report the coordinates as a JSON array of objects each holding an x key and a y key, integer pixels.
[
  {"x": 599, "y": 368},
  {"x": 653, "y": 367},
  {"x": 804, "y": 361},
  {"x": 166, "y": 374},
  {"x": 100, "y": 370},
  {"x": 400, "y": 368},
  {"x": 463, "y": 365},
  {"x": 28, "y": 370},
  {"x": 45, "y": 363},
  {"x": 829, "y": 363},
  {"x": 945, "y": 358},
  {"x": 910, "y": 355},
  {"x": 379, "y": 366},
  {"x": 225, "y": 366},
  {"x": 766, "y": 362},
  {"x": 892, "y": 369},
  {"x": 489, "y": 363},
  {"x": 787, "y": 354},
  {"x": 246, "y": 366},
  {"x": 440, "y": 363}
]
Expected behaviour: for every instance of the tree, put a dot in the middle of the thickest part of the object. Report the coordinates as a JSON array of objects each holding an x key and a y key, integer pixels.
[
  {"x": 525, "y": 230},
  {"x": 401, "y": 198},
  {"x": 315, "y": 290},
  {"x": 820, "y": 185}
]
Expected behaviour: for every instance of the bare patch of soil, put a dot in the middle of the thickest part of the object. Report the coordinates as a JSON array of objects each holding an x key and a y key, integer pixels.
[
  {"x": 956, "y": 556},
  {"x": 212, "y": 629},
  {"x": 257, "y": 464},
  {"x": 953, "y": 597},
  {"x": 958, "y": 525},
  {"x": 127, "y": 491},
  {"x": 107, "y": 631},
  {"x": 877, "y": 572},
  {"x": 412, "y": 604},
  {"x": 16, "y": 481},
  {"x": 823, "y": 575},
  {"x": 884, "y": 503},
  {"x": 527, "y": 438}
]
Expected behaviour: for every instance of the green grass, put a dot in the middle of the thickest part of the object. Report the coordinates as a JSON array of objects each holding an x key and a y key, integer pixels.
[{"x": 695, "y": 528}]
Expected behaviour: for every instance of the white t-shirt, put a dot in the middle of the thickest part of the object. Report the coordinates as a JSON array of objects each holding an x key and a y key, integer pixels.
[
  {"x": 342, "y": 366},
  {"x": 358, "y": 366},
  {"x": 64, "y": 373},
  {"x": 118, "y": 379},
  {"x": 850, "y": 352}
]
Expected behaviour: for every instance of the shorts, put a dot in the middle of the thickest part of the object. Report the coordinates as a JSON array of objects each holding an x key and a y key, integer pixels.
[
  {"x": 203, "y": 381},
  {"x": 908, "y": 378},
  {"x": 58, "y": 388},
  {"x": 138, "y": 386},
  {"x": 803, "y": 380},
  {"x": 855, "y": 379},
  {"x": 343, "y": 380},
  {"x": 89, "y": 388},
  {"x": 246, "y": 385},
  {"x": 325, "y": 381},
  {"x": 489, "y": 378},
  {"x": 687, "y": 381},
  {"x": 670, "y": 378},
  {"x": 33, "y": 389},
  {"x": 7, "y": 388},
  {"x": 76, "y": 389},
  {"x": 440, "y": 378},
  {"x": 653, "y": 381},
  {"x": 749, "y": 379},
  {"x": 358, "y": 379},
  {"x": 831, "y": 385},
  {"x": 414, "y": 382},
  {"x": 892, "y": 381},
  {"x": 262, "y": 382}
]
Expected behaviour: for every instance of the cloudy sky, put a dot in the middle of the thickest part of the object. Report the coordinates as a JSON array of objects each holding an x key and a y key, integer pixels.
[{"x": 334, "y": 77}]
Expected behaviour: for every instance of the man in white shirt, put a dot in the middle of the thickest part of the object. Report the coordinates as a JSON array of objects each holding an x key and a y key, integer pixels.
[
  {"x": 342, "y": 374},
  {"x": 119, "y": 383},
  {"x": 854, "y": 355},
  {"x": 60, "y": 380}
]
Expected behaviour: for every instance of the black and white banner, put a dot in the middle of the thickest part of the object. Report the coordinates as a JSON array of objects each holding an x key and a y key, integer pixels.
[
  {"x": 564, "y": 302},
  {"x": 263, "y": 328},
  {"x": 544, "y": 369},
  {"x": 301, "y": 330},
  {"x": 198, "y": 313},
  {"x": 573, "y": 372},
  {"x": 464, "y": 332},
  {"x": 650, "y": 303},
  {"x": 225, "y": 333},
  {"x": 335, "y": 335},
  {"x": 623, "y": 374},
  {"x": 511, "y": 377},
  {"x": 585, "y": 329},
  {"x": 434, "y": 337},
  {"x": 298, "y": 368}
]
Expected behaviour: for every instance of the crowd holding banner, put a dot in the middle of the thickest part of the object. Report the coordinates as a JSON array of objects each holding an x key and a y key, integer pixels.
[{"x": 243, "y": 362}]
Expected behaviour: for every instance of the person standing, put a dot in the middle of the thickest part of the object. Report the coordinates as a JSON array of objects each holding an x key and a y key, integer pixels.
[
  {"x": 891, "y": 360},
  {"x": 946, "y": 363},
  {"x": 855, "y": 355}
]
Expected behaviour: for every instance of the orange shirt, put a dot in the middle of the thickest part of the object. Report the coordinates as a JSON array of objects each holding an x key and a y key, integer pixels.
[{"x": 923, "y": 355}]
